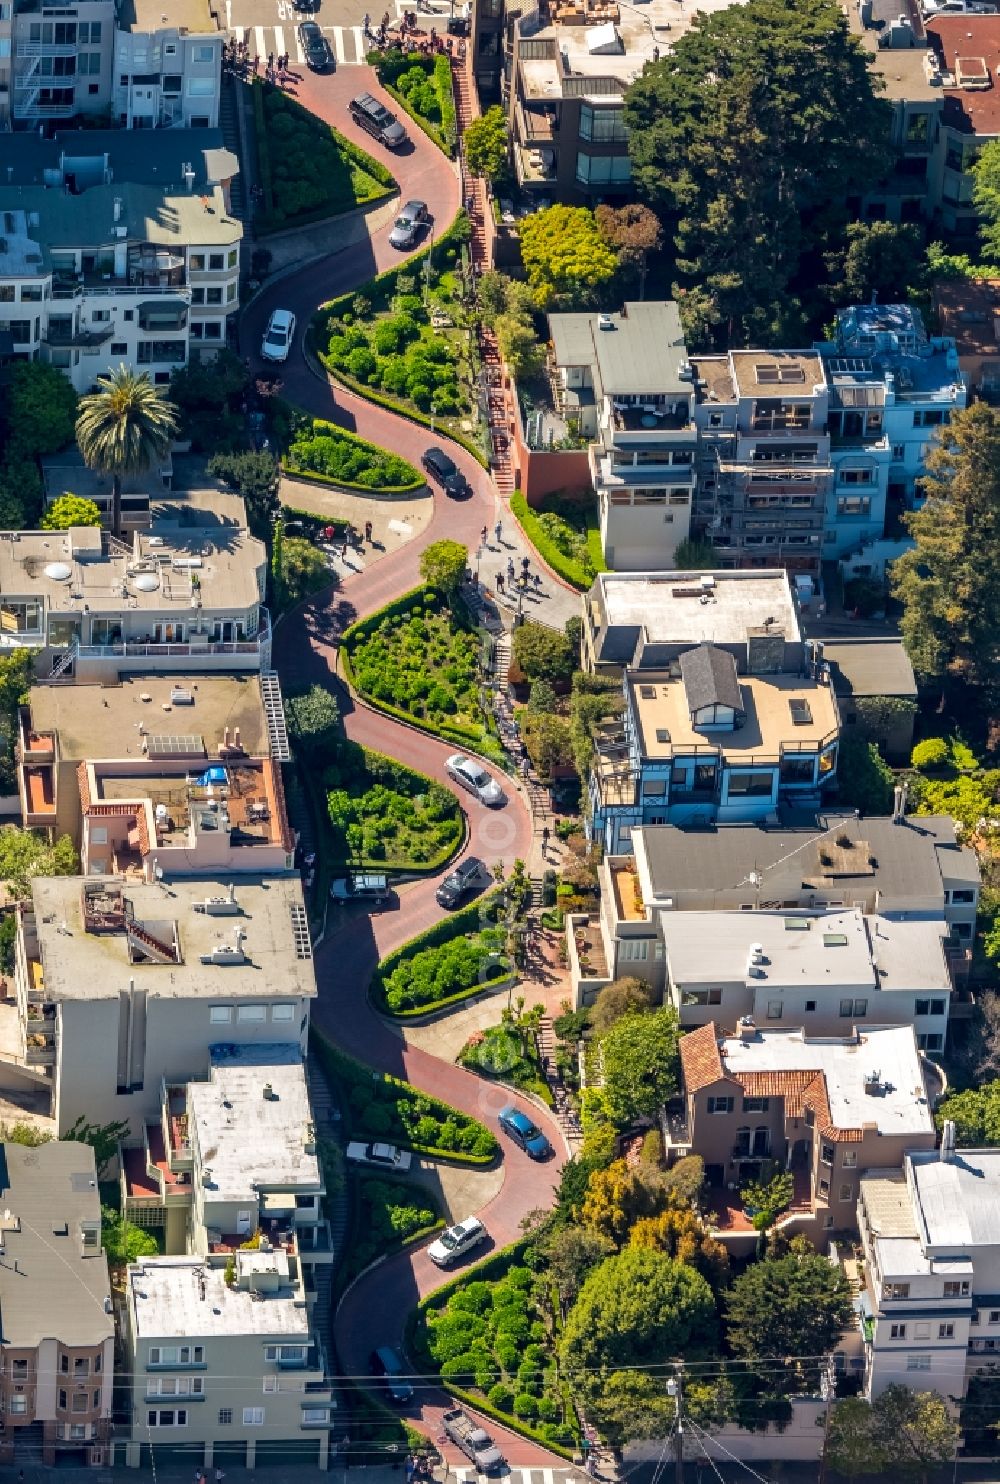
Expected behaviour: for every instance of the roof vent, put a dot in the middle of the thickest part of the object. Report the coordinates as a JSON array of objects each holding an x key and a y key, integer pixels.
[{"x": 605, "y": 322}]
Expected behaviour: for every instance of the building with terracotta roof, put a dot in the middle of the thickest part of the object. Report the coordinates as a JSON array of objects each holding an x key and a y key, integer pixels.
[
  {"x": 825, "y": 1109},
  {"x": 963, "y": 57}
]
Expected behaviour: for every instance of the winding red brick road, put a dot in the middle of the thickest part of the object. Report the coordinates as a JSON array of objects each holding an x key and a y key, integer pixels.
[{"x": 374, "y": 1311}]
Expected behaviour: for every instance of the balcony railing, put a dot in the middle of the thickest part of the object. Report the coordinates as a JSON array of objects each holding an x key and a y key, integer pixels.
[
  {"x": 46, "y": 48},
  {"x": 82, "y": 287}
]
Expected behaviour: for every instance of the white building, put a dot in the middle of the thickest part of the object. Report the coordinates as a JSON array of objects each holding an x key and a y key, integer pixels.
[
  {"x": 117, "y": 248},
  {"x": 929, "y": 1311}
]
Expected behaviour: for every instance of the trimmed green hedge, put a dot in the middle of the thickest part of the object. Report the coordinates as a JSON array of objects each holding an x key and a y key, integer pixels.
[
  {"x": 391, "y": 864},
  {"x": 393, "y": 1093},
  {"x": 390, "y": 65},
  {"x": 490, "y": 1270},
  {"x": 391, "y": 474},
  {"x": 449, "y": 928},
  {"x": 564, "y": 566}
]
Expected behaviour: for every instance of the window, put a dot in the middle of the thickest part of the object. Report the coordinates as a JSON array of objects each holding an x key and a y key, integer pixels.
[
  {"x": 225, "y": 1416},
  {"x": 701, "y": 996},
  {"x": 176, "y": 1354},
  {"x": 251, "y": 1014},
  {"x": 959, "y": 897},
  {"x": 213, "y": 330},
  {"x": 860, "y": 1008},
  {"x": 602, "y": 125},
  {"x": 775, "y": 1009},
  {"x": 285, "y": 1352},
  {"x": 850, "y": 1159},
  {"x": 756, "y": 1105},
  {"x": 196, "y": 262},
  {"x": 654, "y": 788},
  {"x": 176, "y": 1386},
  {"x": 930, "y": 1043},
  {"x": 750, "y": 783},
  {"x": 846, "y": 1009},
  {"x": 173, "y": 1418},
  {"x": 64, "y": 1364},
  {"x": 720, "y": 1105},
  {"x": 90, "y": 64},
  {"x": 846, "y": 1193},
  {"x": 31, "y": 293},
  {"x": 826, "y": 1153},
  {"x": 897, "y": 1290},
  {"x": 854, "y": 505},
  {"x": 897, "y": 1331},
  {"x": 17, "y": 1404},
  {"x": 918, "y": 1362},
  {"x": 216, "y": 262},
  {"x": 810, "y": 1005},
  {"x": 634, "y": 950},
  {"x": 271, "y": 1385},
  {"x": 603, "y": 169},
  {"x": 220, "y": 1014},
  {"x": 19, "y": 1370},
  {"x": 956, "y": 1289},
  {"x": 282, "y": 1012},
  {"x": 81, "y": 1368},
  {"x": 204, "y": 53},
  {"x": 946, "y": 1331},
  {"x": 253, "y": 1416},
  {"x": 62, "y": 1401},
  {"x": 232, "y": 258},
  {"x": 824, "y": 1187},
  {"x": 119, "y": 347},
  {"x": 995, "y": 1316},
  {"x": 213, "y": 296}
]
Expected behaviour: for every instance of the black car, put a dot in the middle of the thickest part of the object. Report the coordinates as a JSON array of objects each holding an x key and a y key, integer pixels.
[
  {"x": 388, "y": 1364},
  {"x": 377, "y": 121},
  {"x": 467, "y": 875},
  {"x": 309, "y": 6},
  {"x": 446, "y": 472},
  {"x": 315, "y": 46}
]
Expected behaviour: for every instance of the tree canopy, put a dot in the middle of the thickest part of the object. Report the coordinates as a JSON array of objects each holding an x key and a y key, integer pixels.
[
  {"x": 909, "y": 1432},
  {"x": 949, "y": 581},
  {"x": 744, "y": 137},
  {"x": 254, "y": 475},
  {"x": 27, "y": 853},
  {"x": 880, "y": 258},
  {"x": 39, "y": 410},
  {"x": 567, "y": 261},
  {"x": 975, "y": 1114},
  {"x": 640, "y": 1061},
  {"x": 542, "y": 652},
  {"x": 986, "y": 197},
  {"x": 314, "y": 718},
  {"x": 124, "y": 427},
  {"x": 486, "y": 148},
  {"x": 633, "y": 231},
  {"x": 70, "y": 510},
  {"x": 787, "y": 1307},
  {"x": 443, "y": 565},
  {"x": 103, "y": 1138}
]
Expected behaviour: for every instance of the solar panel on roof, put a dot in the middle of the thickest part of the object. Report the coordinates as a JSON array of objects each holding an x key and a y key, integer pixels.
[{"x": 175, "y": 744}]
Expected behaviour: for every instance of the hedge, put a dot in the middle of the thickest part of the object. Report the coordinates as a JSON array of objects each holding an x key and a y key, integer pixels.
[
  {"x": 336, "y": 1061},
  {"x": 387, "y": 867},
  {"x": 378, "y": 456},
  {"x": 491, "y": 1269},
  {"x": 564, "y": 566},
  {"x": 438, "y": 933}
]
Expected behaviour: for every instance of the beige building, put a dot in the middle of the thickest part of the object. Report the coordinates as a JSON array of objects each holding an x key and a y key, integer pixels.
[
  {"x": 123, "y": 986},
  {"x": 228, "y": 1370},
  {"x": 825, "y": 1109},
  {"x": 57, "y": 1352}
]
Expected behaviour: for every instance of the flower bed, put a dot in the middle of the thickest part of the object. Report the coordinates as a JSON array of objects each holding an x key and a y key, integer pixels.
[
  {"x": 322, "y": 451},
  {"x": 490, "y": 1334},
  {"x": 566, "y": 536},
  {"x": 421, "y": 84},
  {"x": 377, "y": 1106},
  {"x": 307, "y": 170},
  {"x": 386, "y": 816}
]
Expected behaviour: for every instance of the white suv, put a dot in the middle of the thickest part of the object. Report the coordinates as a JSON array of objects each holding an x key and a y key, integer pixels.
[{"x": 457, "y": 1241}]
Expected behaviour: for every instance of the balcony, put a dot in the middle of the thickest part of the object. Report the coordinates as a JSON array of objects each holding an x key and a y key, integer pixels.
[
  {"x": 535, "y": 126},
  {"x": 46, "y": 48},
  {"x": 81, "y": 339},
  {"x": 536, "y": 164},
  {"x": 76, "y": 286},
  {"x": 587, "y": 962},
  {"x": 650, "y": 417}
]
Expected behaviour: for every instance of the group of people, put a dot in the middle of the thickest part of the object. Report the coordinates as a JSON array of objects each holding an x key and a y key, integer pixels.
[
  {"x": 408, "y": 36},
  {"x": 236, "y": 58},
  {"x": 514, "y": 580}
]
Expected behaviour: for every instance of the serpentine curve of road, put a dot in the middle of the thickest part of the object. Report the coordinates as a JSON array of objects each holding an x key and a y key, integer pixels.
[{"x": 374, "y": 1311}]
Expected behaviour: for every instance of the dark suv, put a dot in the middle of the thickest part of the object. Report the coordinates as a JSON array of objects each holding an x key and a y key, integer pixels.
[
  {"x": 467, "y": 875},
  {"x": 377, "y": 121},
  {"x": 446, "y": 472}
]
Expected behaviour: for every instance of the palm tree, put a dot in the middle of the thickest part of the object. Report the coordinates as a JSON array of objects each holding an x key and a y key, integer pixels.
[{"x": 124, "y": 428}]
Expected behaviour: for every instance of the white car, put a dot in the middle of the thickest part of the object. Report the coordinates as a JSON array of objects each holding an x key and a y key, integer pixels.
[
  {"x": 278, "y": 336},
  {"x": 457, "y": 1241},
  {"x": 474, "y": 777},
  {"x": 383, "y": 1156}
]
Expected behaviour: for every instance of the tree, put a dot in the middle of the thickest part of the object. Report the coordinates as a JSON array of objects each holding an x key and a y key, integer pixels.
[
  {"x": 68, "y": 511},
  {"x": 878, "y": 716},
  {"x": 679, "y": 1231},
  {"x": 620, "y": 997},
  {"x": 633, "y": 1405},
  {"x": 766, "y": 1199},
  {"x": 542, "y": 696},
  {"x": 123, "y": 1242},
  {"x": 881, "y": 258},
  {"x": 615, "y": 1197},
  {"x": 443, "y": 565},
  {"x": 103, "y": 1138},
  {"x": 743, "y": 136},
  {"x": 124, "y": 428},
  {"x": 949, "y": 582},
  {"x": 487, "y": 151},
  {"x": 520, "y": 345},
  {"x": 27, "y": 853},
  {"x": 304, "y": 569},
  {"x": 208, "y": 397},
  {"x": 975, "y": 1114},
  {"x": 640, "y": 1061},
  {"x": 864, "y": 777},
  {"x": 567, "y": 261},
  {"x": 788, "y": 1307},
  {"x": 255, "y": 476},
  {"x": 571, "y": 1252},
  {"x": 930, "y": 754},
  {"x": 39, "y": 410},
  {"x": 315, "y": 719},
  {"x": 546, "y": 736},
  {"x": 638, "y": 1309},
  {"x": 633, "y": 232},
  {"x": 694, "y": 555},
  {"x": 986, "y": 197},
  {"x": 542, "y": 653},
  {"x": 909, "y": 1432}
]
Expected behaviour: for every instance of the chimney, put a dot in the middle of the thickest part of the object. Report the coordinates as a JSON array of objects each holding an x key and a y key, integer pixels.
[
  {"x": 236, "y": 739},
  {"x": 232, "y": 891},
  {"x": 899, "y": 794},
  {"x": 947, "y": 1153},
  {"x": 188, "y": 174},
  {"x": 747, "y": 1029},
  {"x": 118, "y": 208},
  {"x": 225, "y": 736}
]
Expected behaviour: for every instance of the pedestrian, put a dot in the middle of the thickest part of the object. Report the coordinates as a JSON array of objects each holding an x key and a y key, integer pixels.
[
  {"x": 219, "y": 1475},
  {"x": 484, "y": 537},
  {"x": 538, "y": 582},
  {"x": 256, "y": 62},
  {"x": 498, "y": 531},
  {"x": 510, "y": 568},
  {"x": 367, "y": 23},
  {"x": 368, "y": 530},
  {"x": 270, "y": 61},
  {"x": 525, "y": 564},
  {"x": 545, "y": 839},
  {"x": 500, "y": 582}
]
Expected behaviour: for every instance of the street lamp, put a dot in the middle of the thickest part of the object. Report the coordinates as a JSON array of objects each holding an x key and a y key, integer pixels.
[{"x": 433, "y": 414}]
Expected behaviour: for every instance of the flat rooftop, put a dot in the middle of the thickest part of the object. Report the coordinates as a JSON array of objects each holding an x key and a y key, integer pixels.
[
  {"x": 241, "y": 795},
  {"x": 717, "y": 375},
  {"x": 181, "y": 1297},
  {"x": 170, "y": 563},
  {"x": 777, "y": 373},
  {"x": 48, "y": 1287},
  {"x": 899, "y": 1106},
  {"x": 155, "y": 15},
  {"x": 902, "y": 68},
  {"x": 667, "y": 605},
  {"x": 910, "y": 953},
  {"x": 661, "y": 708},
  {"x": 870, "y": 667},
  {"x": 957, "y": 1202},
  {"x": 274, "y": 960},
  {"x": 800, "y": 950},
  {"x": 251, "y": 1142},
  {"x": 968, "y": 46},
  {"x": 103, "y": 721}
]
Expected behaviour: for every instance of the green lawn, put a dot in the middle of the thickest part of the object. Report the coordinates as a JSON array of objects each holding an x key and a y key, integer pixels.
[
  {"x": 387, "y": 817},
  {"x": 308, "y": 171}
]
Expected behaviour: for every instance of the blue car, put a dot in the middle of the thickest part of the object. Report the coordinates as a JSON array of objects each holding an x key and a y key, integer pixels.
[{"x": 519, "y": 1127}]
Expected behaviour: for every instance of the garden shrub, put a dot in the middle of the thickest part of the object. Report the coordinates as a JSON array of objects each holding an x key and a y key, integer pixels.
[
  {"x": 384, "y": 813},
  {"x": 330, "y": 452},
  {"x": 566, "y": 536},
  {"x": 932, "y": 753}
]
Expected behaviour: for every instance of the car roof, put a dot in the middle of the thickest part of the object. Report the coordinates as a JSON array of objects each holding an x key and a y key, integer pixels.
[
  {"x": 414, "y": 206},
  {"x": 438, "y": 456},
  {"x": 280, "y": 319},
  {"x": 471, "y": 1223},
  {"x": 310, "y": 29},
  {"x": 510, "y": 1114}
]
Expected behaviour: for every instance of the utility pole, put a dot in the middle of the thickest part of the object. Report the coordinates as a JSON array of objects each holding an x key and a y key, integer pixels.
[
  {"x": 829, "y": 1385},
  {"x": 675, "y": 1388}
]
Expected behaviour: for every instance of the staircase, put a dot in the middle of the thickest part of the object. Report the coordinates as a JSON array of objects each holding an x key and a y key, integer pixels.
[
  {"x": 536, "y": 898},
  {"x": 229, "y": 104},
  {"x": 501, "y": 660},
  {"x": 159, "y": 952},
  {"x": 499, "y": 411}
]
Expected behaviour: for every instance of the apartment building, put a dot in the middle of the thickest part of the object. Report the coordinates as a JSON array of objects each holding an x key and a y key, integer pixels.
[
  {"x": 92, "y": 608},
  {"x": 824, "y": 1109},
  {"x": 232, "y": 1153},
  {"x": 929, "y": 1314},
  {"x": 168, "y": 65},
  {"x": 625, "y": 382},
  {"x": 224, "y": 1361},
  {"x": 894, "y": 868},
  {"x": 121, "y": 985},
  {"x": 117, "y": 248},
  {"x": 58, "y": 1352},
  {"x": 55, "y": 61}
]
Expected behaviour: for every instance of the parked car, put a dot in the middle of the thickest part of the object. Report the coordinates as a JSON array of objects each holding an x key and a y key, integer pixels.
[
  {"x": 446, "y": 472},
  {"x": 309, "y": 6},
  {"x": 411, "y": 219},
  {"x": 519, "y": 1127},
  {"x": 361, "y": 887},
  {"x": 383, "y": 1156},
  {"x": 457, "y": 1241},
  {"x": 474, "y": 777},
  {"x": 376, "y": 120},
  {"x": 467, "y": 875},
  {"x": 278, "y": 336},
  {"x": 317, "y": 50},
  {"x": 388, "y": 1364}
]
